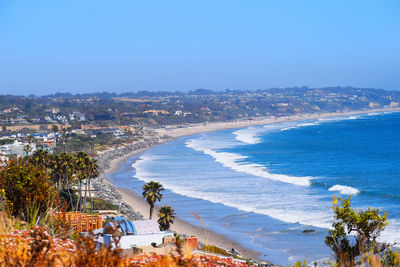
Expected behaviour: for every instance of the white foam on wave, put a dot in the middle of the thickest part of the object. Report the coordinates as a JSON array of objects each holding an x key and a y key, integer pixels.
[
  {"x": 294, "y": 125},
  {"x": 284, "y": 207},
  {"x": 353, "y": 117},
  {"x": 345, "y": 190},
  {"x": 320, "y": 121},
  {"x": 314, "y": 218},
  {"x": 289, "y": 213},
  {"x": 285, "y": 210},
  {"x": 248, "y": 135},
  {"x": 307, "y": 124},
  {"x": 383, "y": 113},
  {"x": 301, "y": 124},
  {"x": 391, "y": 234},
  {"x": 340, "y": 118},
  {"x": 237, "y": 163},
  {"x": 288, "y": 128}
]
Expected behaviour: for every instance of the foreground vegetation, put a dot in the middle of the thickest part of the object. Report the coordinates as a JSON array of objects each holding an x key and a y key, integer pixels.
[{"x": 36, "y": 247}]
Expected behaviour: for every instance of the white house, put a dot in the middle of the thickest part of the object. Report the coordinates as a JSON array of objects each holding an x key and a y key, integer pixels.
[
  {"x": 16, "y": 149},
  {"x": 77, "y": 115},
  {"x": 140, "y": 233}
]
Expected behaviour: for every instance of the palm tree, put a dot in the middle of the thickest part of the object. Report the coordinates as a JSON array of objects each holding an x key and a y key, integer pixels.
[
  {"x": 68, "y": 172},
  {"x": 41, "y": 157},
  {"x": 152, "y": 193},
  {"x": 62, "y": 170},
  {"x": 67, "y": 169},
  {"x": 93, "y": 171},
  {"x": 82, "y": 161},
  {"x": 166, "y": 216},
  {"x": 54, "y": 128},
  {"x": 64, "y": 132}
]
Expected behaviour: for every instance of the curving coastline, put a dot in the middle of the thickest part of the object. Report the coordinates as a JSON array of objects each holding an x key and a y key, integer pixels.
[
  {"x": 110, "y": 161},
  {"x": 134, "y": 206}
]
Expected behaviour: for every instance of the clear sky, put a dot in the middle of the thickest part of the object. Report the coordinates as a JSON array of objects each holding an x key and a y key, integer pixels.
[{"x": 94, "y": 45}]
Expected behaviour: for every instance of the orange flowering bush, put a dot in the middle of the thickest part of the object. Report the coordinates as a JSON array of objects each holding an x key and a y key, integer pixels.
[
  {"x": 154, "y": 260},
  {"x": 33, "y": 247},
  {"x": 36, "y": 247}
]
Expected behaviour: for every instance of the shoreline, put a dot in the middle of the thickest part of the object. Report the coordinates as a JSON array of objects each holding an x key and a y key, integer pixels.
[
  {"x": 135, "y": 202},
  {"x": 140, "y": 206},
  {"x": 193, "y": 129},
  {"x": 204, "y": 235}
]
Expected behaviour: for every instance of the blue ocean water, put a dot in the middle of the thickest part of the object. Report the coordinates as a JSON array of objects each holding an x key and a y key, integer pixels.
[{"x": 263, "y": 186}]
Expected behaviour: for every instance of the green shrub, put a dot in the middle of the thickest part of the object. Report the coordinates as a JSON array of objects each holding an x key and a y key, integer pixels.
[
  {"x": 24, "y": 184},
  {"x": 100, "y": 204},
  {"x": 65, "y": 197},
  {"x": 216, "y": 250}
]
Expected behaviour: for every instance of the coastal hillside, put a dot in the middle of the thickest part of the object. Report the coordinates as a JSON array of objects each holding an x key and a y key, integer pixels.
[{"x": 171, "y": 108}]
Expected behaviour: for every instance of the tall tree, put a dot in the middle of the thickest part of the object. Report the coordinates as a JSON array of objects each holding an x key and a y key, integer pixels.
[
  {"x": 93, "y": 172},
  {"x": 152, "y": 193},
  {"x": 82, "y": 162},
  {"x": 54, "y": 128},
  {"x": 68, "y": 172},
  {"x": 166, "y": 216},
  {"x": 64, "y": 133},
  {"x": 41, "y": 158}
]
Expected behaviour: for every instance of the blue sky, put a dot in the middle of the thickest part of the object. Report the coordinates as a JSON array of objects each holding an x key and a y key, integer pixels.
[{"x": 87, "y": 46}]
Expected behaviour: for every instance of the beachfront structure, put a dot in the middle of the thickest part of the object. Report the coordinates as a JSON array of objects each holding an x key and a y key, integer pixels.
[{"x": 134, "y": 234}]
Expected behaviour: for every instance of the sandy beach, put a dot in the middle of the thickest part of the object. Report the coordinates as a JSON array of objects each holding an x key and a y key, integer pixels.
[
  {"x": 207, "y": 236},
  {"x": 192, "y": 129}
]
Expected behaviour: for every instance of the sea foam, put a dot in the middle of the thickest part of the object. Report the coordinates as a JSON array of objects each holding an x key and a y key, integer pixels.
[
  {"x": 238, "y": 163},
  {"x": 248, "y": 135},
  {"x": 277, "y": 204},
  {"x": 345, "y": 190}
]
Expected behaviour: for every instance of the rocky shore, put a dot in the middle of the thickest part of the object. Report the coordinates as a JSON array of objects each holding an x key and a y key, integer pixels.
[{"x": 104, "y": 188}]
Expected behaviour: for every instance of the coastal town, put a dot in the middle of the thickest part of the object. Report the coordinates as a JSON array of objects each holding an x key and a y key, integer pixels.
[{"x": 92, "y": 122}]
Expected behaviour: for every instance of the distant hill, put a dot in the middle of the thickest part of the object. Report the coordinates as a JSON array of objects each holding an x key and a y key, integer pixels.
[{"x": 200, "y": 105}]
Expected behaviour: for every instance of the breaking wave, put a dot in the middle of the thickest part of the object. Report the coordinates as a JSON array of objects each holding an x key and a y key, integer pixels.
[
  {"x": 248, "y": 135},
  {"x": 345, "y": 190},
  {"x": 281, "y": 205},
  {"x": 238, "y": 163}
]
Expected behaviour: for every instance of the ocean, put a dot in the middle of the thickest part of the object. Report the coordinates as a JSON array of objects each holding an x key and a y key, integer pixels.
[{"x": 264, "y": 185}]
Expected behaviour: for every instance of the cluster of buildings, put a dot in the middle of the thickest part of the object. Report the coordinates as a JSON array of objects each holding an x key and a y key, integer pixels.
[
  {"x": 16, "y": 145},
  {"x": 14, "y": 115},
  {"x": 156, "y": 112},
  {"x": 19, "y": 144},
  {"x": 55, "y": 116}
]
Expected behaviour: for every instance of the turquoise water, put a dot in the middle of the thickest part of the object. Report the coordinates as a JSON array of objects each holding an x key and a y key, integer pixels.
[{"x": 263, "y": 186}]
